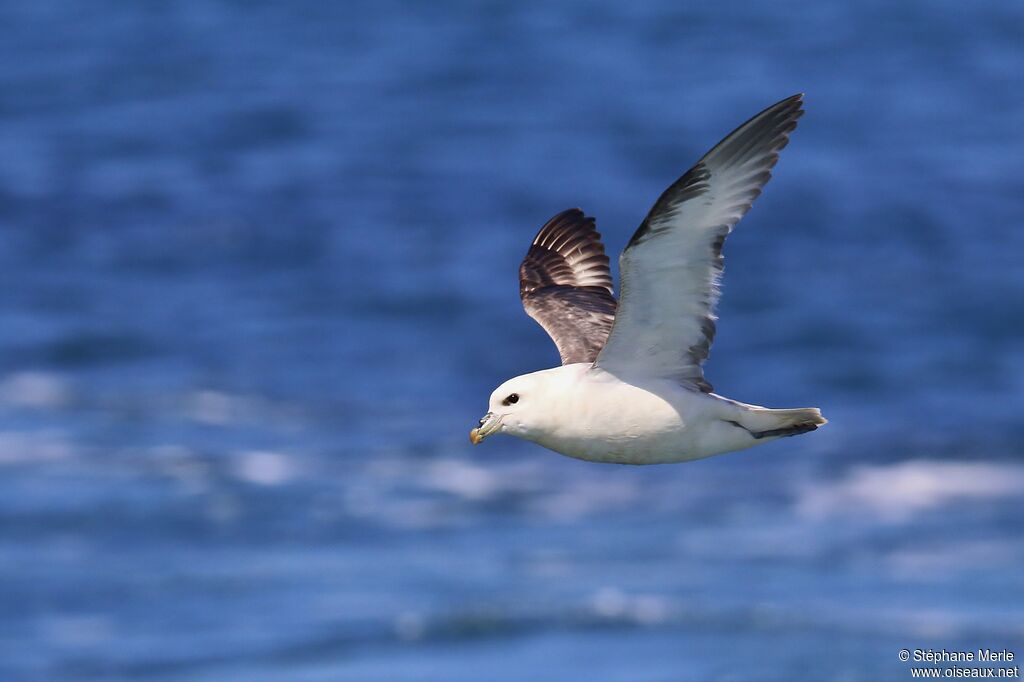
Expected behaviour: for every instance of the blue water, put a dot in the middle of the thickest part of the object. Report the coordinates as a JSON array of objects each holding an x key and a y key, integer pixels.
[{"x": 258, "y": 279}]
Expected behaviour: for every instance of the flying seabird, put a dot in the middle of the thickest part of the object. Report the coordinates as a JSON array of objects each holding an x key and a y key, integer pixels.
[{"x": 630, "y": 389}]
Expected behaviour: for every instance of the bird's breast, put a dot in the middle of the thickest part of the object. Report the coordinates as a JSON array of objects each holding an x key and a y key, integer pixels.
[{"x": 612, "y": 421}]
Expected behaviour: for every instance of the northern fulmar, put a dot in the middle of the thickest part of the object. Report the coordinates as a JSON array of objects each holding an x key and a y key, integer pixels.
[{"x": 630, "y": 389}]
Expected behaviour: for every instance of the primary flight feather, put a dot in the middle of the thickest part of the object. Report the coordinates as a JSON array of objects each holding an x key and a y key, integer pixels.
[{"x": 631, "y": 388}]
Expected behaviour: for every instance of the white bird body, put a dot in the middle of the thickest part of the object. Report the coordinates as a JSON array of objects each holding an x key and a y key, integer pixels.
[
  {"x": 648, "y": 421},
  {"x": 639, "y": 420},
  {"x": 631, "y": 388}
]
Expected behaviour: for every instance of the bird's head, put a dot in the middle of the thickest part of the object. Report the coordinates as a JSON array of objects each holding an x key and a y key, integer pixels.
[{"x": 516, "y": 408}]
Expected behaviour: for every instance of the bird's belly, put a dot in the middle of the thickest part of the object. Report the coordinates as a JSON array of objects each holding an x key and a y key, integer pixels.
[
  {"x": 632, "y": 427},
  {"x": 641, "y": 450}
]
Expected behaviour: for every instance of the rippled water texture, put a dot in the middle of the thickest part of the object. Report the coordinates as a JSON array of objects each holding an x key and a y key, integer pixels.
[{"x": 258, "y": 278}]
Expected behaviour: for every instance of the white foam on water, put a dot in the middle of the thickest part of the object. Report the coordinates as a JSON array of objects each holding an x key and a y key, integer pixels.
[
  {"x": 940, "y": 560},
  {"x": 34, "y": 389},
  {"x": 611, "y": 603},
  {"x": 263, "y": 467},
  {"x": 462, "y": 478},
  {"x": 216, "y": 408},
  {"x": 18, "y": 447},
  {"x": 588, "y": 495},
  {"x": 897, "y": 492}
]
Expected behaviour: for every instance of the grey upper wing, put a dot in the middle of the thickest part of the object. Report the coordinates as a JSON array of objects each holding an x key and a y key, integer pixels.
[
  {"x": 566, "y": 286},
  {"x": 670, "y": 270}
]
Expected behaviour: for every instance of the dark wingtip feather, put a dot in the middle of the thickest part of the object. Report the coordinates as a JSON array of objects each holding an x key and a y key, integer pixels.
[{"x": 763, "y": 136}]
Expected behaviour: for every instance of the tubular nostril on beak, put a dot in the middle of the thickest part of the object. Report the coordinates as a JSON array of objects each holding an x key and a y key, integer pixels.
[{"x": 487, "y": 426}]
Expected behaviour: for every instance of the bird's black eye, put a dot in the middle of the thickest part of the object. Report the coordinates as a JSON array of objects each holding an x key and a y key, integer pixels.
[{"x": 511, "y": 400}]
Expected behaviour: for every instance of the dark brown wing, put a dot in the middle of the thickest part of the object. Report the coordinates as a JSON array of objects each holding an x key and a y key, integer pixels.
[{"x": 566, "y": 286}]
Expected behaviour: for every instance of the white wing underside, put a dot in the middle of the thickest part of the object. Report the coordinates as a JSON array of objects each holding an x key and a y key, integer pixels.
[{"x": 669, "y": 272}]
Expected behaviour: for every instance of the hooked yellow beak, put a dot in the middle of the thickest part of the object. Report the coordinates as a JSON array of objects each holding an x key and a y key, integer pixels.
[{"x": 488, "y": 425}]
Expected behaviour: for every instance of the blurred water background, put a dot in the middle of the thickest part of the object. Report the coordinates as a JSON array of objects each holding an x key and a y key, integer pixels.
[{"x": 258, "y": 278}]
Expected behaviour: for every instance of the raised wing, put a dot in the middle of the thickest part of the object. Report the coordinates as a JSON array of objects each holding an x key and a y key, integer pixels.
[
  {"x": 566, "y": 286},
  {"x": 670, "y": 270}
]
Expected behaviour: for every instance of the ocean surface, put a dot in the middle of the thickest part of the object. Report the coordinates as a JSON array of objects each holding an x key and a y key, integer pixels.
[{"x": 258, "y": 278}]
